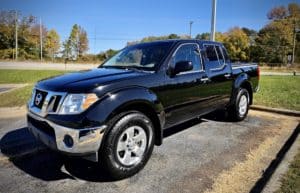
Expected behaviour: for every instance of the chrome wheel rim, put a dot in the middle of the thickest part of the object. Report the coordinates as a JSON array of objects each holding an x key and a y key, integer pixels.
[
  {"x": 131, "y": 145},
  {"x": 243, "y": 104}
]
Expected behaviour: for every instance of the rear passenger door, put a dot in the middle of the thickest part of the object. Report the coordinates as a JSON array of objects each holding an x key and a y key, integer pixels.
[{"x": 219, "y": 73}]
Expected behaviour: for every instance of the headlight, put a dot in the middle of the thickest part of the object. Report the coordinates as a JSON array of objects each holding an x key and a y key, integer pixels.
[{"x": 76, "y": 103}]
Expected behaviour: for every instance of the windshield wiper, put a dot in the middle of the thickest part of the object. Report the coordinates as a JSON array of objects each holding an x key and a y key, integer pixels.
[{"x": 125, "y": 67}]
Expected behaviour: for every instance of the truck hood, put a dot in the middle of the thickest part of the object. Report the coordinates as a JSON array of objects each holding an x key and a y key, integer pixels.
[{"x": 85, "y": 81}]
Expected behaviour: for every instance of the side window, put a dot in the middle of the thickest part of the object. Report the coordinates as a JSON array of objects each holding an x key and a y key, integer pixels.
[
  {"x": 225, "y": 54},
  {"x": 214, "y": 57},
  {"x": 220, "y": 55},
  {"x": 211, "y": 53},
  {"x": 188, "y": 52}
]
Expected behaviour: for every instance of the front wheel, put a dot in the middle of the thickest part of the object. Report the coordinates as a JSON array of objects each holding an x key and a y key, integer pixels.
[
  {"x": 239, "y": 110},
  {"x": 128, "y": 145}
]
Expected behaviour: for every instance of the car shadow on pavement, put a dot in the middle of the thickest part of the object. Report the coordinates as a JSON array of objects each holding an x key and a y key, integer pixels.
[
  {"x": 32, "y": 157},
  {"x": 19, "y": 142},
  {"x": 218, "y": 115}
]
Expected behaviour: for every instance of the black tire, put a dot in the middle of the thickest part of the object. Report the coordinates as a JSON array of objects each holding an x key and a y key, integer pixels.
[
  {"x": 234, "y": 111},
  {"x": 120, "y": 125}
]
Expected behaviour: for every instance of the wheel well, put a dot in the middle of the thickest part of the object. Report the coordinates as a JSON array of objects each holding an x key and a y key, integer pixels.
[
  {"x": 150, "y": 113},
  {"x": 248, "y": 87}
]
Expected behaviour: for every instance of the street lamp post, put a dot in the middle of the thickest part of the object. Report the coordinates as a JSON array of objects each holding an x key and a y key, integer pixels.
[
  {"x": 213, "y": 20},
  {"x": 191, "y": 23}
]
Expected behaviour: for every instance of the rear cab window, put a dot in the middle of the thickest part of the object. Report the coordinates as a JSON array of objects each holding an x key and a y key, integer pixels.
[{"x": 214, "y": 57}]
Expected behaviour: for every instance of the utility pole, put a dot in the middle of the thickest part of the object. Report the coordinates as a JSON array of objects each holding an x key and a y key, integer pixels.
[
  {"x": 191, "y": 23},
  {"x": 16, "y": 35},
  {"x": 95, "y": 40},
  {"x": 41, "y": 39},
  {"x": 294, "y": 41},
  {"x": 213, "y": 20}
]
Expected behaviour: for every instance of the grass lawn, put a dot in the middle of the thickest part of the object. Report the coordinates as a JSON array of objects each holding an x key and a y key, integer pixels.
[
  {"x": 275, "y": 91},
  {"x": 20, "y": 96},
  {"x": 279, "y": 92},
  {"x": 17, "y": 97},
  {"x": 290, "y": 182},
  {"x": 26, "y": 76}
]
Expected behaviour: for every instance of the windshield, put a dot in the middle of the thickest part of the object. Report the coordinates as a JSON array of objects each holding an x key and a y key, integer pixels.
[{"x": 141, "y": 56}]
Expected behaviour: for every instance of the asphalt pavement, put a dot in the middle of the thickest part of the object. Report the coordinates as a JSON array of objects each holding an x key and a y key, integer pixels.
[{"x": 192, "y": 156}]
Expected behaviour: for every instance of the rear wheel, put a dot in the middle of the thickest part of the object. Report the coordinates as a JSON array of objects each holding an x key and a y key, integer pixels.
[
  {"x": 239, "y": 110},
  {"x": 128, "y": 145}
]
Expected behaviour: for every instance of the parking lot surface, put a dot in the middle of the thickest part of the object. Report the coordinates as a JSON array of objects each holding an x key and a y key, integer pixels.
[{"x": 191, "y": 158}]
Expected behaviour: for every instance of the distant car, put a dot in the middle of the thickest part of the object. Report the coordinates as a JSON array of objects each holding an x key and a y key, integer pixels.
[{"x": 116, "y": 113}]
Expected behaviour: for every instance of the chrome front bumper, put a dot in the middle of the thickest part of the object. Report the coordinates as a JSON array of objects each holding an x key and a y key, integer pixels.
[{"x": 85, "y": 141}]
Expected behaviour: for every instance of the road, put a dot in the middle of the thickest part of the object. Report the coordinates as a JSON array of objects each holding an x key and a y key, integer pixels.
[
  {"x": 74, "y": 67},
  {"x": 45, "y": 66},
  {"x": 191, "y": 158}
]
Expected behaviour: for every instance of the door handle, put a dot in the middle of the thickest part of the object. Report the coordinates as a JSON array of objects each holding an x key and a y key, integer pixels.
[
  {"x": 227, "y": 75},
  {"x": 204, "y": 79}
]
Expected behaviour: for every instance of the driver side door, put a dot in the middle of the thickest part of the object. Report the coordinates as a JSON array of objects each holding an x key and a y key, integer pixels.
[{"x": 184, "y": 94}]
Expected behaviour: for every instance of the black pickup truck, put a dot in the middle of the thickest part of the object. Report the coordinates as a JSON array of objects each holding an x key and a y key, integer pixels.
[{"x": 116, "y": 113}]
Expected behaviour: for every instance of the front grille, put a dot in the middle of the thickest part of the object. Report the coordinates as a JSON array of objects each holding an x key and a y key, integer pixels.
[
  {"x": 39, "y": 98},
  {"x": 46, "y": 102},
  {"x": 53, "y": 103},
  {"x": 42, "y": 126}
]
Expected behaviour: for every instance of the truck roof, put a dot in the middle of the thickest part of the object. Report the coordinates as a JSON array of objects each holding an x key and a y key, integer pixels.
[{"x": 182, "y": 41}]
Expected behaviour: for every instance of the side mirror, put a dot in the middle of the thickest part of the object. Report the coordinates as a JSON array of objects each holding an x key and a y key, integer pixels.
[{"x": 182, "y": 66}]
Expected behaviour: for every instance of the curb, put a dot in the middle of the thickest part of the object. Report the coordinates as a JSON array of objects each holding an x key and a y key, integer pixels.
[
  {"x": 276, "y": 110},
  {"x": 263, "y": 183},
  {"x": 275, "y": 181}
]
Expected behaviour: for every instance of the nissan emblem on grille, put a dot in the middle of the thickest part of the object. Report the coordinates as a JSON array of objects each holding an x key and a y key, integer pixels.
[{"x": 38, "y": 99}]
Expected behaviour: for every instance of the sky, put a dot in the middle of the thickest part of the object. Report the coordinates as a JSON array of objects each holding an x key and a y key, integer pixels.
[{"x": 112, "y": 23}]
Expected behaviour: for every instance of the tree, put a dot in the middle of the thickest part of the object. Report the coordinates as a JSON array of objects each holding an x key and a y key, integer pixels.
[
  {"x": 294, "y": 16},
  {"x": 220, "y": 37},
  {"x": 237, "y": 43},
  {"x": 26, "y": 43},
  {"x": 52, "y": 43},
  {"x": 110, "y": 52},
  {"x": 249, "y": 32},
  {"x": 77, "y": 43},
  {"x": 203, "y": 36},
  {"x": 173, "y": 36},
  {"x": 277, "y": 13},
  {"x": 294, "y": 10},
  {"x": 83, "y": 43},
  {"x": 275, "y": 40}
]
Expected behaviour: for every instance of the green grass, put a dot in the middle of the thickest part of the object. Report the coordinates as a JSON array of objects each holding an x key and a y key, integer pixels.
[
  {"x": 290, "y": 182},
  {"x": 279, "y": 92},
  {"x": 275, "y": 91},
  {"x": 26, "y": 76},
  {"x": 20, "y": 96}
]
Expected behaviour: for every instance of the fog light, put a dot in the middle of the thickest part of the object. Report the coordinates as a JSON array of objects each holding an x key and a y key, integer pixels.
[{"x": 68, "y": 141}]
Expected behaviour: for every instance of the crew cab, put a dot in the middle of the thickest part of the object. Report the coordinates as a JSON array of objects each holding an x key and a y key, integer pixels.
[{"x": 116, "y": 113}]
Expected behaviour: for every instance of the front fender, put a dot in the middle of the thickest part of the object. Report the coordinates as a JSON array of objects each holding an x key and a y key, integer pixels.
[{"x": 109, "y": 104}]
